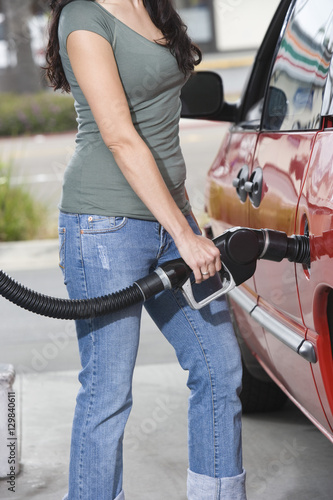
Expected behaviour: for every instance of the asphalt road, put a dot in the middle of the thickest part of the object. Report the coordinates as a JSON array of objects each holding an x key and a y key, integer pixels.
[{"x": 286, "y": 457}]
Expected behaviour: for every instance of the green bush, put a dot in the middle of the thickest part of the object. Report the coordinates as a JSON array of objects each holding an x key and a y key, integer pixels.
[
  {"x": 36, "y": 113},
  {"x": 20, "y": 216}
]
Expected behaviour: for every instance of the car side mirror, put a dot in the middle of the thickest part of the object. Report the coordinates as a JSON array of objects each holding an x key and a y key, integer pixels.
[{"x": 202, "y": 96}]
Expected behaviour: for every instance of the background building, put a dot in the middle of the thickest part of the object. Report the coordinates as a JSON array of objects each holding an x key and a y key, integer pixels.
[
  {"x": 227, "y": 25},
  {"x": 217, "y": 26}
]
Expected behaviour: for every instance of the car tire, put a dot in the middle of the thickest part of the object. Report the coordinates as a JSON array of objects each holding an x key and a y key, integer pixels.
[{"x": 259, "y": 396}]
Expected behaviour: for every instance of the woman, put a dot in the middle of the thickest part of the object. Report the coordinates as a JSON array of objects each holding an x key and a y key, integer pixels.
[{"x": 123, "y": 212}]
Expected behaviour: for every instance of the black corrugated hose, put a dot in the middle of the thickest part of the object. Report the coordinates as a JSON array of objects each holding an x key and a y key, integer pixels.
[
  {"x": 171, "y": 274},
  {"x": 240, "y": 248},
  {"x": 64, "y": 308}
]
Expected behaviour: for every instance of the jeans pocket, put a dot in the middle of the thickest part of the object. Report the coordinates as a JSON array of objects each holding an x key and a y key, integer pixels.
[
  {"x": 62, "y": 247},
  {"x": 103, "y": 224}
]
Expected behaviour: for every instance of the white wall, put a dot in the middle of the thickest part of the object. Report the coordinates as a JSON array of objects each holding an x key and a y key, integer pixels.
[{"x": 241, "y": 24}]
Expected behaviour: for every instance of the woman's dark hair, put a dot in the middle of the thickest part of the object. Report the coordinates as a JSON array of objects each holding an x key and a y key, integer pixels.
[{"x": 163, "y": 15}]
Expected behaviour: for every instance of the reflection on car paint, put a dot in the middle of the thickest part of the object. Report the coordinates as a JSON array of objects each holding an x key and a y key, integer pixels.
[{"x": 301, "y": 68}]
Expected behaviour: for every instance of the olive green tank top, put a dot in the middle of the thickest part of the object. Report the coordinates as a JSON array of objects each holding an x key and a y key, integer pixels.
[{"x": 93, "y": 182}]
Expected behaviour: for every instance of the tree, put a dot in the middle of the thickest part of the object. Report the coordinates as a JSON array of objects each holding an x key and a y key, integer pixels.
[{"x": 25, "y": 76}]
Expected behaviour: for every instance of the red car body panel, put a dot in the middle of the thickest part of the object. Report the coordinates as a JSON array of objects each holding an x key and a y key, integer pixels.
[
  {"x": 282, "y": 129},
  {"x": 283, "y": 158},
  {"x": 316, "y": 206},
  {"x": 276, "y": 282},
  {"x": 237, "y": 150}
]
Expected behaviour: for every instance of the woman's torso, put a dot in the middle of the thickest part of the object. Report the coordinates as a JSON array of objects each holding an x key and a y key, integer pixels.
[{"x": 152, "y": 81}]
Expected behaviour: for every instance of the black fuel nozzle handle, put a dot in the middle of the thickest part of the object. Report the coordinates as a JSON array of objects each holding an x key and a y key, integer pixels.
[{"x": 241, "y": 247}]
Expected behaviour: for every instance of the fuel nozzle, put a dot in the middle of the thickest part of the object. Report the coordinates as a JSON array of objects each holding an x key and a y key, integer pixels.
[
  {"x": 241, "y": 247},
  {"x": 278, "y": 246}
]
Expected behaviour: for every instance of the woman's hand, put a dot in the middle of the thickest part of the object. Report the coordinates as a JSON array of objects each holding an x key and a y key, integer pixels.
[{"x": 200, "y": 254}]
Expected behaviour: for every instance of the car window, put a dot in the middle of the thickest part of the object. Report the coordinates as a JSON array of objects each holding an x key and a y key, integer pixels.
[
  {"x": 251, "y": 107},
  {"x": 294, "y": 99}
]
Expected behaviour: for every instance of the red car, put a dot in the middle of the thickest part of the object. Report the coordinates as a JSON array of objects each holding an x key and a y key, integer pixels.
[{"x": 275, "y": 170}]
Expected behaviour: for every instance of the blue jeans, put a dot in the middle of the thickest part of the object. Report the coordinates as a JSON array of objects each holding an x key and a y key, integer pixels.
[{"x": 100, "y": 255}]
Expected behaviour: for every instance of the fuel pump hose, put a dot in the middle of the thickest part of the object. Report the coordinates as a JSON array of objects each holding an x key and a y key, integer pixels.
[
  {"x": 168, "y": 275},
  {"x": 240, "y": 248}
]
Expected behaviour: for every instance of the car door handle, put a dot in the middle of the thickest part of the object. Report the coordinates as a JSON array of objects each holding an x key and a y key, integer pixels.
[
  {"x": 240, "y": 181},
  {"x": 254, "y": 186}
]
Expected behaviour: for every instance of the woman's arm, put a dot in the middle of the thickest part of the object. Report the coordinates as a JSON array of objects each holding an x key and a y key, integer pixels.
[{"x": 96, "y": 71}]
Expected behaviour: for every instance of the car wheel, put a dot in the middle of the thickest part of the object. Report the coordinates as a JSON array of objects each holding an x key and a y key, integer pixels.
[{"x": 260, "y": 396}]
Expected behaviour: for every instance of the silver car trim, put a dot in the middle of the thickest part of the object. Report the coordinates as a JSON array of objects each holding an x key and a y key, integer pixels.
[
  {"x": 242, "y": 300},
  {"x": 280, "y": 331}
]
